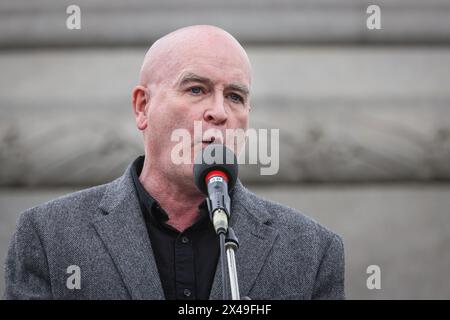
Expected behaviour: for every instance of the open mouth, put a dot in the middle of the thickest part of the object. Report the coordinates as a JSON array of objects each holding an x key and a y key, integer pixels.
[
  {"x": 204, "y": 143},
  {"x": 208, "y": 141}
]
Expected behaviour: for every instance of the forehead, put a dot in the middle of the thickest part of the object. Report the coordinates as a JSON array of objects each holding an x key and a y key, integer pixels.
[
  {"x": 204, "y": 50},
  {"x": 215, "y": 69},
  {"x": 208, "y": 56}
]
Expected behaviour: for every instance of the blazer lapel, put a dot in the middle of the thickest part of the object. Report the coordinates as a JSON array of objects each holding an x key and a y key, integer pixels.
[
  {"x": 256, "y": 238},
  {"x": 122, "y": 229}
]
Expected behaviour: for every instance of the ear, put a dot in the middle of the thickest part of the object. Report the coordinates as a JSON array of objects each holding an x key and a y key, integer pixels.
[{"x": 140, "y": 103}]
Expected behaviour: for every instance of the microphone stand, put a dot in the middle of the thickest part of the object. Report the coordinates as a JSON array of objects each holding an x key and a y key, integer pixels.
[
  {"x": 228, "y": 246},
  {"x": 231, "y": 246},
  {"x": 223, "y": 262},
  {"x": 211, "y": 178}
]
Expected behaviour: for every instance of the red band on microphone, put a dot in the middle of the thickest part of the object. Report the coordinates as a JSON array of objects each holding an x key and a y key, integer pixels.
[{"x": 216, "y": 173}]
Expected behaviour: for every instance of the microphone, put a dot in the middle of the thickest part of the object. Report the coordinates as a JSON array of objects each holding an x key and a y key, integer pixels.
[{"x": 215, "y": 174}]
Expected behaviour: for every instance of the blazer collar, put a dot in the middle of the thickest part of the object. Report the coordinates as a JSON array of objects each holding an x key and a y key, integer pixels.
[
  {"x": 122, "y": 228},
  {"x": 123, "y": 231},
  {"x": 251, "y": 223}
]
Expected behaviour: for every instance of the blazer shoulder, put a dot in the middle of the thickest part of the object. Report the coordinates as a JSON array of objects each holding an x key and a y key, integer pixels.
[
  {"x": 66, "y": 208},
  {"x": 291, "y": 222}
]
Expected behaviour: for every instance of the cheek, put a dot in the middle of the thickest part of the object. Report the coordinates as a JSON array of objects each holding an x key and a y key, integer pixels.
[
  {"x": 169, "y": 116},
  {"x": 184, "y": 112},
  {"x": 242, "y": 119}
]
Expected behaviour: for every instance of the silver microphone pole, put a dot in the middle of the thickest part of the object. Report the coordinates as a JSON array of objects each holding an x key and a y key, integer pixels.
[{"x": 231, "y": 246}]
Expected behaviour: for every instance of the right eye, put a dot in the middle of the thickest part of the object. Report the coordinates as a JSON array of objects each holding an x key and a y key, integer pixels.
[{"x": 195, "y": 90}]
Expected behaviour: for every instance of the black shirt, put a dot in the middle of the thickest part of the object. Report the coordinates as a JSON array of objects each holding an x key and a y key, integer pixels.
[{"x": 186, "y": 260}]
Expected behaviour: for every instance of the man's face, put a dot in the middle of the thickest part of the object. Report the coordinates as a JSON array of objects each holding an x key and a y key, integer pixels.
[{"x": 210, "y": 86}]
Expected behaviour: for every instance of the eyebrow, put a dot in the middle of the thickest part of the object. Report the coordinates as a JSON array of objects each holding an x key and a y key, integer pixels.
[{"x": 192, "y": 77}]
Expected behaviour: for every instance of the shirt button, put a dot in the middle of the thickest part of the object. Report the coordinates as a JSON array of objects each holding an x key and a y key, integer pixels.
[
  {"x": 187, "y": 292},
  {"x": 184, "y": 239}
]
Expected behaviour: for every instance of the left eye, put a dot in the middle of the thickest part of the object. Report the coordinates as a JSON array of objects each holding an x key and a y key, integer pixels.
[{"x": 235, "y": 97}]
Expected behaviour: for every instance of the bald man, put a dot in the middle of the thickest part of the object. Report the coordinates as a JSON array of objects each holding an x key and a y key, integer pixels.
[{"x": 147, "y": 235}]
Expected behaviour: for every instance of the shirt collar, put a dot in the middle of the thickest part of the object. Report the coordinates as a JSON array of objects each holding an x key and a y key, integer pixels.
[{"x": 147, "y": 201}]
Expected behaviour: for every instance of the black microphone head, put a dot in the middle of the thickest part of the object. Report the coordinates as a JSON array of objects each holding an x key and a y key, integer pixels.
[{"x": 215, "y": 157}]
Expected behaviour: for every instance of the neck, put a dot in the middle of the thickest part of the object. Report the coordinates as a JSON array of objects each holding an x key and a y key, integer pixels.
[{"x": 179, "y": 201}]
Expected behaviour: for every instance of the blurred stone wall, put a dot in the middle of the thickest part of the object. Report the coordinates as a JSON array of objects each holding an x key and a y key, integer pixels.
[
  {"x": 352, "y": 104},
  {"x": 363, "y": 110}
]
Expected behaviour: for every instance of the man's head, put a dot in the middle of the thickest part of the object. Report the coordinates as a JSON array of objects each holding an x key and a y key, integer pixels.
[{"x": 197, "y": 73}]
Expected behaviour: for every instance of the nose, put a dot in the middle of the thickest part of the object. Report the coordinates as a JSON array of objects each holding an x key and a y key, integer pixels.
[{"x": 216, "y": 113}]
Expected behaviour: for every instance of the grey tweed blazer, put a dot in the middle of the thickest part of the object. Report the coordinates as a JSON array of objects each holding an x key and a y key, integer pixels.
[{"x": 283, "y": 254}]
